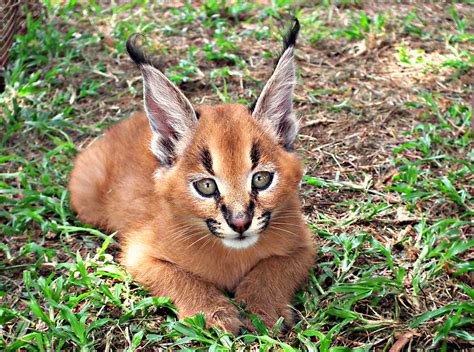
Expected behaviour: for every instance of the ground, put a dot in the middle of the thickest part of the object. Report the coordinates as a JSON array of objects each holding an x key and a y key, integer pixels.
[{"x": 384, "y": 98}]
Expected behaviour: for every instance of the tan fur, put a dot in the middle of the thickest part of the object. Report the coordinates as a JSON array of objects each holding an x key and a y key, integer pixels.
[{"x": 166, "y": 244}]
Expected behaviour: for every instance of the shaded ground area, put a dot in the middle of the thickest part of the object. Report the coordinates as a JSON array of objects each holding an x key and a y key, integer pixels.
[{"x": 383, "y": 97}]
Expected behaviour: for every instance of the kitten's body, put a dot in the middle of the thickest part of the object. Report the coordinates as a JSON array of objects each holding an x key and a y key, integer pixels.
[
  {"x": 111, "y": 184},
  {"x": 187, "y": 245}
]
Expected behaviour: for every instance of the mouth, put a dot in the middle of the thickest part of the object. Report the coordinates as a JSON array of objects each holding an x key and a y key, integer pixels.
[{"x": 241, "y": 241}]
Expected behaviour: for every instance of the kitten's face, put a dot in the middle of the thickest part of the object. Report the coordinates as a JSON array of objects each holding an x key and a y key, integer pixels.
[
  {"x": 233, "y": 177},
  {"x": 224, "y": 171}
]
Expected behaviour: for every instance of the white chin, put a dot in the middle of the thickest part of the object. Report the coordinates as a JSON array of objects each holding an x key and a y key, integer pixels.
[{"x": 235, "y": 243}]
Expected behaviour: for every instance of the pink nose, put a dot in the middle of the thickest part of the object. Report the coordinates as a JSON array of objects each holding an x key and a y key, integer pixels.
[{"x": 240, "y": 222}]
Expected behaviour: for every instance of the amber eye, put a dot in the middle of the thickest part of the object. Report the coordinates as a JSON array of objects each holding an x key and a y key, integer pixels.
[
  {"x": 206, "y": 187},
  {"x": 261, "y": 180}
]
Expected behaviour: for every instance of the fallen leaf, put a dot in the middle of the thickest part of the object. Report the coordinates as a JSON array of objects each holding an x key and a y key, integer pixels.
[{"x": 402, "y": 340}]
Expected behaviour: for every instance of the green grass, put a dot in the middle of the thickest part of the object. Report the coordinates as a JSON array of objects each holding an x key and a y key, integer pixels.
[{"x": 392, "y": 213}]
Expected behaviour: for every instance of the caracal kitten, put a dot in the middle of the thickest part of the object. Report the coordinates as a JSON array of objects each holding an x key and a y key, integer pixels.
[{"x": 205, "y": 198}]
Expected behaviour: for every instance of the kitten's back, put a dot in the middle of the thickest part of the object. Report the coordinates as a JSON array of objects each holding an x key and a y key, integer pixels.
[{"x": 111, "y": 185}]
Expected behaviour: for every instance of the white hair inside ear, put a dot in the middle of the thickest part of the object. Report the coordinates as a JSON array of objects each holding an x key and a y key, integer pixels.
[
  {"x": 274, "y": 107},
  {"x": 169, "y": 112}
]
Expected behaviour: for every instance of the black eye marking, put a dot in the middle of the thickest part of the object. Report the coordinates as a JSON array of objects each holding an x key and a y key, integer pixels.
[
  {"x": 251, "y": 208},
  {"x": 225, "y": 212},
  {"x": 254, "y": 194},
  {"x": 206, "y": 160},
  {"x": 255, "y": 154}
]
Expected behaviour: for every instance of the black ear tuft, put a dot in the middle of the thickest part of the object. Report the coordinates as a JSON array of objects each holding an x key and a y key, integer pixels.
[
  {"x": 290, "y": 38},
  {"x": 275, "y": 103},
  {"x": 134, "y": 50}
]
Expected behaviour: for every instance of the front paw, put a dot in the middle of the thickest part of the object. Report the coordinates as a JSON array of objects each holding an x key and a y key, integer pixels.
[
  {"x": 225, "y": 319},
  {"x": 269, "y": 313}
]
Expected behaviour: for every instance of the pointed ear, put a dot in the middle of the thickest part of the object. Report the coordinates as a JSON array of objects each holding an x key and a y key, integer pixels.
[
  {"x": 274, "y": 107},
  {"x": 170, "y": 114}
]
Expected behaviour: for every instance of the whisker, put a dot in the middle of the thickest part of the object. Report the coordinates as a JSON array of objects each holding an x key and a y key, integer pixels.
[
  {"x": 227, "y": 252},
  {"x": 286, "y": 216},
  {"x": 288, "y": 211},
  {"x": 277, "y": 214},
  {"x": 183, "y": 235},
  {"x": 183, "y": 231},
  {"x": 293, "y": 216},
  {"x": 288, "y": 220},
  {"x": 199, "y": 239},
  {"x": 209, "y": 239},
  {"x": 213, "y": 244},
  {"x": 281, "y": 229},
  {"x": 181, "y": 226},
  {"x": 286, "y": 223}
]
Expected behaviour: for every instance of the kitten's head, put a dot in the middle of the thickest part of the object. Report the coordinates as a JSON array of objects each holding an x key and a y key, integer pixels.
[{"x": 226, "y": 169}]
